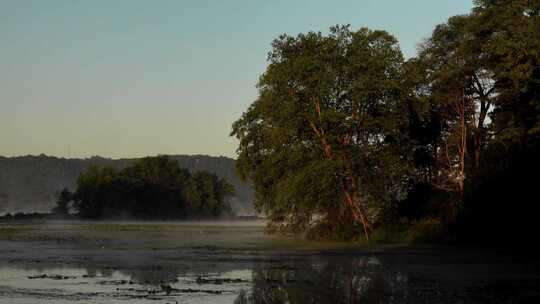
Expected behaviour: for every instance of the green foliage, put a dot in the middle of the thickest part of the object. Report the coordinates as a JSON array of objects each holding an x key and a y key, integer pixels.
[
  {"x": 445, "y": 141},
  {"x": 152, "y": 188},
  {"x": 389, "y": 234},
  {"x": 510, "y": 32},
  {"x": 427, "y": 230},
  {"x": 329, "y": 119},
  {"x": 62, "y": 203},
  {"x": 492, "y": 56}
]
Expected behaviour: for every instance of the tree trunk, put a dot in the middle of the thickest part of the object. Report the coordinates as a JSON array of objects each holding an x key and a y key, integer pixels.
[
  {"x": 355, "y": 203},
  {"x": 349, "y": 184}
]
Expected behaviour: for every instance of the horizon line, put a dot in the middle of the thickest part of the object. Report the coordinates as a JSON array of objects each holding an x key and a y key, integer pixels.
[{"x": 112, "y": 158}]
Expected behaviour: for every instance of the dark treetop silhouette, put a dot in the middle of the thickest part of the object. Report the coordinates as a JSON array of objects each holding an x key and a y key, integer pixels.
[{"x": 151, "y": 188}]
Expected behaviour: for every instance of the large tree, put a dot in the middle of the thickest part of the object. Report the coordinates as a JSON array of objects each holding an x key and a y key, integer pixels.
[
  {"x": 324, "y": 141},
  {"x": 479, "y": 77},
  {"x": 510, "y": 38},
  {"x": 461, "y": 92},
  {"x": 500, "y": 203},
  {"x": 483, "y": 73}
]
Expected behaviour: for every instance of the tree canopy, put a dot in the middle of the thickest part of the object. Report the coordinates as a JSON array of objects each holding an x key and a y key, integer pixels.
[
  {"x": 152, "y": 188},
  {"x": 324, "y": 137},
  {"x": 345, "y": 134}
]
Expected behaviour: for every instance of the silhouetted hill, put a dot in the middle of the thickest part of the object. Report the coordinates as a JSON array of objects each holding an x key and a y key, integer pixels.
[{"x": 31, "y": 183}]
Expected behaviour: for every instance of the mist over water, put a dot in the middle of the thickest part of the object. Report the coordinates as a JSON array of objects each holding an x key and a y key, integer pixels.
[{"x": 236, "y": 262}]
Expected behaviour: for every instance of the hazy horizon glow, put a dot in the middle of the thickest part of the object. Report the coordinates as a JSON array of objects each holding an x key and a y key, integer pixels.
[{"x": 130, "y": 78}]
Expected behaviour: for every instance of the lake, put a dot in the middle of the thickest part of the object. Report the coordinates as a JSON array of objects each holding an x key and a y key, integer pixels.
[{"x": 237, "y": 262}]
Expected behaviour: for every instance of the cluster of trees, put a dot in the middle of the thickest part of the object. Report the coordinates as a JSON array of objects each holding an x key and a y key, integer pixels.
[
  {"x": 151, "y": 188},
  {"x": 347, "y": 136}
]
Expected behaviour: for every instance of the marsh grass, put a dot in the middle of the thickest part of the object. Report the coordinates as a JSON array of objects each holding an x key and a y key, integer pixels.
[
  {"x": 11, "y": 232},
  {"x": 162, "y": 227},
  {"x": 424, "y": 231},
  {"x": 429, "y": 230},
  {"x": 206, "y": 236},
  {"x": 167, "y": 236}
]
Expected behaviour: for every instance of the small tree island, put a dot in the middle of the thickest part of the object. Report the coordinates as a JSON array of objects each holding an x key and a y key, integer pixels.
[{"x": 152, "y": 188}]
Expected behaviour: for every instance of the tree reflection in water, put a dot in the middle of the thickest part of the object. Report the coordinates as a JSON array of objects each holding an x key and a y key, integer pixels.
[{"x": 357, "y": 280}]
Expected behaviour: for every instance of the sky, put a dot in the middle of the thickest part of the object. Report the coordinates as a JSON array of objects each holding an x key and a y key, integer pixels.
[{"x": 131, "y": 78}]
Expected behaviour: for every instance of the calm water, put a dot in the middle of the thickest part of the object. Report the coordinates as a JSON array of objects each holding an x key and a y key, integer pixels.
[{"x": 196, "y": 270}]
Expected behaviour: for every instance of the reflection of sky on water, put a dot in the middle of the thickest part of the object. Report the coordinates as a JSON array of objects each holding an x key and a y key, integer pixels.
[{"x": 323, "y": 278}]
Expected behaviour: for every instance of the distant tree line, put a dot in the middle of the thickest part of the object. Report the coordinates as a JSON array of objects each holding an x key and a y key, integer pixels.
[
  {"x": 151, "y": 188},
  {"x": 348, "y": 138}
]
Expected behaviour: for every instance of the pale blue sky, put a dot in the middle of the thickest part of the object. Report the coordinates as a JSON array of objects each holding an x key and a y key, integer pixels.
[{"x": 133, "y": 78}]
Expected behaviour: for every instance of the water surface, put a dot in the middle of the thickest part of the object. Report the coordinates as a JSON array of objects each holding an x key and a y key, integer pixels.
[{"x": 218, "y": 263}]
